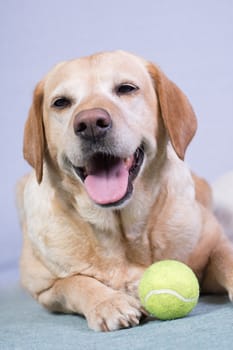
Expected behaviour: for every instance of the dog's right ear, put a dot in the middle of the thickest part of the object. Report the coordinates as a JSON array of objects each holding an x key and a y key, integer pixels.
[
  {"x": 34, "y": 137},
  {"x": 177, "y": 113}
]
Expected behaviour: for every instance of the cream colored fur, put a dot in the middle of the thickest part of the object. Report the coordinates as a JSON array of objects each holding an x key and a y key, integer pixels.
[{"x": 82, "y": 258}]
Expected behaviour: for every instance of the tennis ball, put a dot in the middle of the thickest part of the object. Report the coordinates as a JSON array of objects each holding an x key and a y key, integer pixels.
[{"x": 168, "y": 290}]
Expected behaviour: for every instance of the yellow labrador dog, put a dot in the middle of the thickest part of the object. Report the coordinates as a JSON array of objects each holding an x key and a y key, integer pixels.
[{"x": 110, "y": 193}]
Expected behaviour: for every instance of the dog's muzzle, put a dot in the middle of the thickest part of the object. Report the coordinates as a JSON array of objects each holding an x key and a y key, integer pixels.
[{"x": 108, "y": 178}]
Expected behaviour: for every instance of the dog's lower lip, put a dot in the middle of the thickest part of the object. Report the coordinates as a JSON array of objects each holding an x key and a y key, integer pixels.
[
  {"x": 132, "y": 164},
  {"x": 80, "y": 172},
  {"x": 138, "y": 159}
]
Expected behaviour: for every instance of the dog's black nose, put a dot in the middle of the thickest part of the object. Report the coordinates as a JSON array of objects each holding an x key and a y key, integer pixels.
[{"x": 92, "y": 123}]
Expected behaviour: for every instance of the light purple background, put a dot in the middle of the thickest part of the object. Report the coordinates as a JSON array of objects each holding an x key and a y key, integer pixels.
[{"x": 191, "y": 40}]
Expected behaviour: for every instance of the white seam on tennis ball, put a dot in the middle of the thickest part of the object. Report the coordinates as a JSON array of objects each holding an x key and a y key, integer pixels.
[{"x": 171, "y": 292}]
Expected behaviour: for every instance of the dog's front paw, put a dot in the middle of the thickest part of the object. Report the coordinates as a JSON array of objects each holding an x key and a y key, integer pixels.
[{"x": 119, "y": 311}]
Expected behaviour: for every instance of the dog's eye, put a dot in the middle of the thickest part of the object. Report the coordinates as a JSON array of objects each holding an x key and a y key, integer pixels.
[
  {"x": 125, "y": 89},
  {"x": 62, "y": 102}
]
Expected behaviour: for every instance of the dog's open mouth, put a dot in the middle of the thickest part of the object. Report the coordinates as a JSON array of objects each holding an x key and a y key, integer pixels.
[{"x": 109, "y": 179}]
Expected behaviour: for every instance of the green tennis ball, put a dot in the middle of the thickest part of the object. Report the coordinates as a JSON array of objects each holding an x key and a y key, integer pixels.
[{"x": 168, "y": 290}]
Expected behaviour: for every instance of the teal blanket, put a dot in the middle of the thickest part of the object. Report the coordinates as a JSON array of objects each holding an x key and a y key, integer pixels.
[{"x": 24, "y": 324}]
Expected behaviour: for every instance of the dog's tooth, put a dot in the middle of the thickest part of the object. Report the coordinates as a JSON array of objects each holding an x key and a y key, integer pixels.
[{"x": 128, "y": 162}]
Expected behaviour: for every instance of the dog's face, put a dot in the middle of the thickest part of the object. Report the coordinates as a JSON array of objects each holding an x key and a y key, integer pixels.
[
  {"x": 100, "y": 115},
  {"x": 103, "y": 119}
]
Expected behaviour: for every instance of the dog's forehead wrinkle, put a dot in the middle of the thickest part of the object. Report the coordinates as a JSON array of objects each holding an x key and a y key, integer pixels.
[{"x": 94, "y": 70}]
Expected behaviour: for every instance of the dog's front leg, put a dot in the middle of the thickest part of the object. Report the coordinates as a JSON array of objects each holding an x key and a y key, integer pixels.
[
  {"x": 219, "y": 273},
  {"x": 104, "y": 308}
]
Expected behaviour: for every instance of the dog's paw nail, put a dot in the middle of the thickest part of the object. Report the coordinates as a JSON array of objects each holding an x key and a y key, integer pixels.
[{"x": 230, "y": 294}]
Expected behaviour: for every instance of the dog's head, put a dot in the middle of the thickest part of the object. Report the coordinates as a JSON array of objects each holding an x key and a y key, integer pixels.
[{"x": 104, "y": 118}]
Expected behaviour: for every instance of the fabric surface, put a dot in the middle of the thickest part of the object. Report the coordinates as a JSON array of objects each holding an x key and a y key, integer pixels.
[{"x": 24, "y": 324}]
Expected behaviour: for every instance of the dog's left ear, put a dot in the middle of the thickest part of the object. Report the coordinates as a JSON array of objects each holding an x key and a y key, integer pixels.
[
  {"x": 34, "y": 137},
  {"x": 176, "y": 111}
]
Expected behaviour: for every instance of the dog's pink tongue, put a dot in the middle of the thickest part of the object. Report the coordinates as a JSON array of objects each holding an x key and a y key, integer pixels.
[{"x": 107, "y": 186}]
